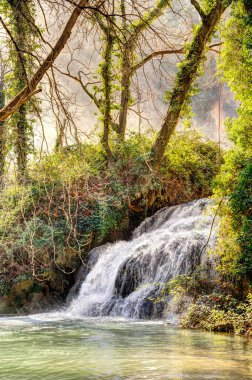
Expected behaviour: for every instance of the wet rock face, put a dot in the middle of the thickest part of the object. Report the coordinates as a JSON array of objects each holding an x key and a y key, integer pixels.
[
  {"x": 83, "y": 271},
  {"x": 131, "y": 274},
  {"x": 125, "y": 278},
  {"x": 137, "y": 270}
]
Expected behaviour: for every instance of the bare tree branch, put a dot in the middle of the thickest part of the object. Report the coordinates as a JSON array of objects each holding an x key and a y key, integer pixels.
[
  {"x": 156, "y": 54},
  {"x": 28, "y": 91},
  {"x": 83, "y": 86}
]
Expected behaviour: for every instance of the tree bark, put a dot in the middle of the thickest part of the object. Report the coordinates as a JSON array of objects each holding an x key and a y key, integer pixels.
[
  {"x": 20, "y": 125},
  {"x": 125, "y": 93},
  {"x": 107, "y": 92},
  {"x": 185, "y": 78},
  {"x": 29, "y": 90},
  {"x": 21, "y": 142},
  {"x": 2, "y": 131}
]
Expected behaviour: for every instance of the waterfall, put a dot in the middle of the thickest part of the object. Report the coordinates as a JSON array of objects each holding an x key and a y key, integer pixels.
[{"x": 121, "y": 279}]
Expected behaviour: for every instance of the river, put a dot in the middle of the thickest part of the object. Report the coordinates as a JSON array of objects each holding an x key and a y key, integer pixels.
[{"x": 57, "y": 347}]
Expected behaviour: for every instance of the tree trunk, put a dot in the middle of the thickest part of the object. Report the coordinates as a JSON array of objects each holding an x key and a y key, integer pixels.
[
  {"x": 2, "y": 131},
  {"x": 185, "y": 78},
  {"x": 125, "y": 94},
  {"x": 106, "y": 74},
  {"x": 21, "y": 142},
  {"x": 20, "y": 123}
]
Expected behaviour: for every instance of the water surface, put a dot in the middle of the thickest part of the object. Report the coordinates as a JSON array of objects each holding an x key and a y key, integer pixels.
[{"x": 50, "y": 347}]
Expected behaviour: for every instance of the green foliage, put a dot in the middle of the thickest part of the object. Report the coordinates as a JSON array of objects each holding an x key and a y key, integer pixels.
[
  {"x": 21, "y": 26},
  {"x": 211, "y": 305},
  {"x": 147, "y": 18},
  {"x": 241, "y": 207},
  {"x": 236, "y": 69},
  {"x": 234, "y": 243},
  {"x": 220, "y": 313},
  {"x": 4, "y": 287},
  {"x": 76, "y": 200},
  {"x": 196, "y": 162},
  {"x": 234, "y": 182}
]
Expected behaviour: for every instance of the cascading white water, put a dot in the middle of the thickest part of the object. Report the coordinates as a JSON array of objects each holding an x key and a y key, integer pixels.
[{"x": 124, "y": 276}]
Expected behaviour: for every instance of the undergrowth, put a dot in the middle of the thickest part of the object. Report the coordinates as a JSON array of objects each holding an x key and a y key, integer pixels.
[
  {"x": 209, "y": 304},
  {"x": 75, "y": 200}
]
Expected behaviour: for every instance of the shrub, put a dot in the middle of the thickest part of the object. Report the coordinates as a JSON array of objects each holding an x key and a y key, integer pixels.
[
  {"x": 235, "y": 243},
  {"x": 211, "y": 305},
  {"x": 75, "y": 200}
]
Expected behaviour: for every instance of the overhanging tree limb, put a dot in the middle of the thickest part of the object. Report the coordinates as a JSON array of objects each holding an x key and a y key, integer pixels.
[
  {"x": 30, "y": 88},
  {"x": 159, "y": 53}
]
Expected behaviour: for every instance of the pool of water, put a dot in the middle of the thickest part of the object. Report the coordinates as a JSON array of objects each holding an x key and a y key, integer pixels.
[{"x": 52, "y": 347}]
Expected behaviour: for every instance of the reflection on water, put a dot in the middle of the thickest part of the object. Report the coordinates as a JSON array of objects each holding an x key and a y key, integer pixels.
[{"x": 49, "y": 347}]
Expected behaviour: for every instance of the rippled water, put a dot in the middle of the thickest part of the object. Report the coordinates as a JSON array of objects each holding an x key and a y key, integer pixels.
[{"x": 50, "y": 347}]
